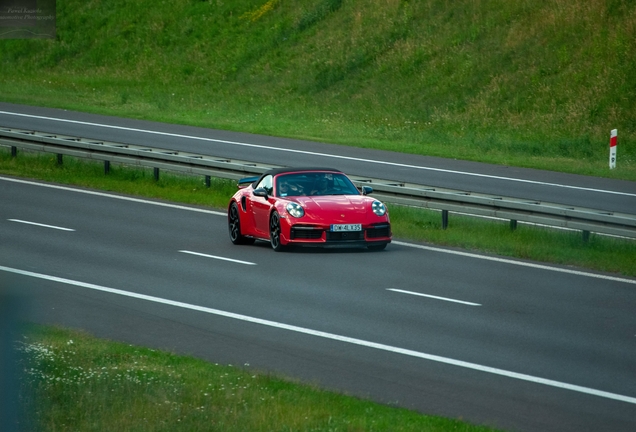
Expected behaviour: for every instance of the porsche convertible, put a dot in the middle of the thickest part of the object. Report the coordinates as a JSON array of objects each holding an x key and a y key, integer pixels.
[{"x": 307, "y": 207}]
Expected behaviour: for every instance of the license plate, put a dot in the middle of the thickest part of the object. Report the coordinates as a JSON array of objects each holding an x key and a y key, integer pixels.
[{"x": 346, "y": 227}]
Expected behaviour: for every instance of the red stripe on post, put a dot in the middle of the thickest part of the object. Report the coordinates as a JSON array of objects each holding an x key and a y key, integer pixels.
[{"x": 613, "y": 137}]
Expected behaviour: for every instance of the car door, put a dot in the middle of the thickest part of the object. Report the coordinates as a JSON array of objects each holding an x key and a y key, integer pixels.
[{"x": 261, "y": 206}]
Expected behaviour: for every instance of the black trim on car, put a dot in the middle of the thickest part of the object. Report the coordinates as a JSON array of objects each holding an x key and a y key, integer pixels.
[
  {"x": 379, "y": 230},
  {"x": 306, "y": 232}
]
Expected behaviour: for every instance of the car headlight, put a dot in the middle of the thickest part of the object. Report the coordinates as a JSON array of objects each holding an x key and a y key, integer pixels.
[
  {"x": 295, "y": 210},
  {"x": 378, "y": 208}
]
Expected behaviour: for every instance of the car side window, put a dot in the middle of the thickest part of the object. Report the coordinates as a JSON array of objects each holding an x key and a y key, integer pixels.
[{"x": 266, "y": 183}]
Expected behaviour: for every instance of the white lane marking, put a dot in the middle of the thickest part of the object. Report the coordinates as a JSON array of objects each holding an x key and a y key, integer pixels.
[
  {"x": 340, "y": 338},
  {"x": 120, "y": 197},
  {"x": 433, "y": 297},
  {"x": 40, "y": 225},
  {"x": 413, "y": 245},
  {"x": 237, "y": 143},
  {"x": 217, "y": 257},
  {"x": 519, "y": 263}
]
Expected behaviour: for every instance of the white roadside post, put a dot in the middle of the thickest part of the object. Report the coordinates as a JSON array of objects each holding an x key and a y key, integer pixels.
[{"x": 612, "y": 159}]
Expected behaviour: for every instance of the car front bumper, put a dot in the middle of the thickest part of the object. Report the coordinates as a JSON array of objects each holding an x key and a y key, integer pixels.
[{"x": 321, "y": 235}]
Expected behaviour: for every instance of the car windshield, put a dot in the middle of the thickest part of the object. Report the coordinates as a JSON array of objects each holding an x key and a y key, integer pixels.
[{"x": 314, "y": 184}]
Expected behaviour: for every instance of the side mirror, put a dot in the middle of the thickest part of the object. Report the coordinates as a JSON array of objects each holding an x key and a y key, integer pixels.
[
  {"x": 260, "y": 192},
  {"x": 366, "y": 190}
]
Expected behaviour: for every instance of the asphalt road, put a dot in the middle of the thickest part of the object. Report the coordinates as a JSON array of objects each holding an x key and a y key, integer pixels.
[
  {"x": 575, "y": 190},
  {"x": 499, "y": 342}
]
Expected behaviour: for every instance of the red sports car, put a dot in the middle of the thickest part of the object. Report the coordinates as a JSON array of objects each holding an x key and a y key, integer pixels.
[{"x": 308, "y": 207}]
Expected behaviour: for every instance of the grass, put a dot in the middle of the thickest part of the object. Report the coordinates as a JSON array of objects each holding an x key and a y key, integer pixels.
[
  {"x": 528, "y": 83},
  {"x": 541, "y": 244},
  {"x": 601, "y": 253},
  {"x": 536, "y": 84},
  {"x": 71, "y": 381}
]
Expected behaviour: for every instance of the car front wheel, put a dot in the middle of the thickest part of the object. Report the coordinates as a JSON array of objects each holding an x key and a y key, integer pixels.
[{"x": 274, "y": 232}]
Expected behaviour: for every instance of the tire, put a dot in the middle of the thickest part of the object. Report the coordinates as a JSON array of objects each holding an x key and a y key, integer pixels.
[
  {"x": 377, "y": 248},
  {"x": 234, "y": 226},
  {"x": 274, "y": 232}
]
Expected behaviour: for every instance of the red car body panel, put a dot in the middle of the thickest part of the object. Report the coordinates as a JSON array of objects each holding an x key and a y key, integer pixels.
[{"x": 321, "y": 212}]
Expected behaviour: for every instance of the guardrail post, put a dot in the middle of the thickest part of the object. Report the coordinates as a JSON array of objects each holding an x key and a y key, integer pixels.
[
  {"x": 586, "y": 236},
  {"x": 106, "y": 167},
  {"x": 156, "y": 173},
  {"x": 444, "y": 219},
  {"x": 513, "y": 224},
  {"x": 14, "y": 151},
  {"x": 60, "y": 159},
  {"x": 207, "y": 181}
]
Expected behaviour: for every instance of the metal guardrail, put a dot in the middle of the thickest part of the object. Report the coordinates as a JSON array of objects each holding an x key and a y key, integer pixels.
[{"x": 585, "y": 219}]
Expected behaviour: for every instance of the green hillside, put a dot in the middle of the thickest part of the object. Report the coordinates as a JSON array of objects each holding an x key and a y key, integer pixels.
[{"x": 527, "y": 83}]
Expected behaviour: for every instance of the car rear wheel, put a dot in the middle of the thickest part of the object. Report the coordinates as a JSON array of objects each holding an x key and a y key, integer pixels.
[
  {"x": 274, "y": 232},
  {"x": 234, "y": 226},
  {"x": 377, "y": 247}
]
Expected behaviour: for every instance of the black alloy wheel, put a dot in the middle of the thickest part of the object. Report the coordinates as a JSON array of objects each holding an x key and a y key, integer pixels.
[{"x": 274, "y": 232}]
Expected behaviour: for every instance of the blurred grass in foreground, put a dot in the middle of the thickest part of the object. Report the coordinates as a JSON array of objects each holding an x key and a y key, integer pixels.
[
  {"x": 75, "y": 382},
  {"x": 601, "y": 253}
]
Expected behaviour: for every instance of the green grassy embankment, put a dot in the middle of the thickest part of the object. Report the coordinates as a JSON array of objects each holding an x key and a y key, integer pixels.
[{"x": 525, "y": 83}]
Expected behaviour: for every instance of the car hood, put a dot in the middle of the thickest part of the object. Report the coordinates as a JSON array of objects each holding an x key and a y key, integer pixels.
[{"x": 337, "y": 208}]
